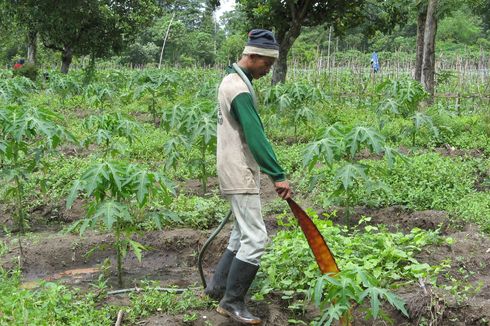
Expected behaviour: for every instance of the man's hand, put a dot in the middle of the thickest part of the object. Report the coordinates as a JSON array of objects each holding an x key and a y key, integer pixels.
[{"x": 283, "y": 189}]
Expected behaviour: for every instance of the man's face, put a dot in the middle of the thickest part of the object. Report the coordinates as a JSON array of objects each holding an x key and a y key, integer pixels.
[{"x": 261, "y": 66}]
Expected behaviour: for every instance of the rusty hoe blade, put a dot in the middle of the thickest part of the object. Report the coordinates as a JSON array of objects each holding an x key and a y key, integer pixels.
[{"x": 317, "y": 243}]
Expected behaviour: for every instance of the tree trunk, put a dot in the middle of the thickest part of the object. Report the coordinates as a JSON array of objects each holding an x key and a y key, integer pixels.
[
  {"x": 32, "y": 47},
  {"x": 428, "y": 61},
  {"x": 286, "y": 40},
  {"x": 66, "y": 57},
  {"x": 420, "y": 43}
]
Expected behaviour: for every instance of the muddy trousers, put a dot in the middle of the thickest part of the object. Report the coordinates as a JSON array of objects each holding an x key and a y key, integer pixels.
[{"x": 249, "y": 235}]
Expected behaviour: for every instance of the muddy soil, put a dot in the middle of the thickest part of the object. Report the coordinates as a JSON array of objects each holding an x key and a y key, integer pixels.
[{"x": 172, "y": 260}]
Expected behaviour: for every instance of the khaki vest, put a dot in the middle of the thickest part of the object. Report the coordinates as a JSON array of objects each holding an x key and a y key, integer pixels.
[{"x": 238, "y": 172}]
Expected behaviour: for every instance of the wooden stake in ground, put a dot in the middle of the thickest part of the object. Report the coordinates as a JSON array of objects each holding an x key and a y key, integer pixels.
[{"x": 120, "y": 315}]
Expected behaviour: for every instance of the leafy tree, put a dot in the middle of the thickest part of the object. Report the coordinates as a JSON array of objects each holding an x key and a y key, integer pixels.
[
  {"x": 287, "y": 18},
  {"x": 83, "y": 27}
]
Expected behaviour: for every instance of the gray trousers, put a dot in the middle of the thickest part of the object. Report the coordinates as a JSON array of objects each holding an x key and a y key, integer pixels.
[{"x": 248, "y": 236}]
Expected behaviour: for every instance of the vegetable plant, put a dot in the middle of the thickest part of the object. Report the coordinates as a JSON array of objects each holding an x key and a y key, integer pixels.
[{"x": 118, "y": 194}]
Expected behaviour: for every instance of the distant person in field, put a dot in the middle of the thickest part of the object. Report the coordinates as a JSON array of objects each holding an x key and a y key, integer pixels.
[
  {"x": 374, "y": 62},
  {"x": 243, "y": 151},
  {"x": 19, "y": 64}
]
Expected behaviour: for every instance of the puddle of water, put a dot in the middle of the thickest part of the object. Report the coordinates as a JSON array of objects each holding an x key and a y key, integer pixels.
[{"x": 76, "y": 273}]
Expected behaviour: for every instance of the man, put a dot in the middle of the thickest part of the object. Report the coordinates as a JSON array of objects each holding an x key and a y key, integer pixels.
[{"x": 243, "y": 151}]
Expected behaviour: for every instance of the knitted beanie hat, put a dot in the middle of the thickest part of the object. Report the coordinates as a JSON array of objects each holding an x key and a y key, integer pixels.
[{"x": 262, "y": 42}]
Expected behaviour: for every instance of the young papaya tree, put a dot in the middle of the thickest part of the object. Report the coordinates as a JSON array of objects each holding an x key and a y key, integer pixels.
[
  {"x": 201, "y": 123},
  {"x": 17, "y": 89},
  {"x": 403, "y": 98},
  {"x": 153, "y": 88},
  {"x": 338, "y": 147},
  {"x": 178, "y": 143},
  {"x": 189, "y": 127},
  {"x": 99, "y": 95},
  {"x": 294, "y": 100},
  {"x": 102, "y": 130},
  {"x": 118, "y": 195},
  {"x": 27, "y": 135}
]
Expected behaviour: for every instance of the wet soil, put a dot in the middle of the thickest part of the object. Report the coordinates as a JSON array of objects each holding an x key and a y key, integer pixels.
[{"x": 172, "y": 261}]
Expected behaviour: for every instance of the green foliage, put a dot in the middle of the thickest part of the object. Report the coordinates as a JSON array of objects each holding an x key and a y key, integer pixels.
[
  {"x": 403, "y": 98},
  {"x": 430, "y": 182},
  {"x": 54, "y": 304},
  {"x": 198, "y": 212},
  {"x": 475, "y": 208},
  {"x": 342, "y": 144},
  {"x": 152, "y": 300},
  {"x": 188, "y": 127},
  {"x": 153, "y": 87},
  {"x": 27, "y": 135},
  {"x": 384, "y": 259},
  {"x": 27, "y": 70},
  {"x": 103, "y": 129},
  {"x": 16, "y": 89},
  {"x": 295, "y": 100},
  {"x": 112, "y": 187},
  {"x": 335, "y": 295},
  {"x": 51, "y": 304}
]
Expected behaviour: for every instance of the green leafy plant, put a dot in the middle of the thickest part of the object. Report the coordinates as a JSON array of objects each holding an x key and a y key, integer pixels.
[
  {"x": 339, "y": 144},
  {"x": 294, "y": 100},
  {"x": 104, "y": 128},
  {"x": 153, "y": 87},
  {"x": 403, "y": 98},
  {"x": 336, "y": 295},
  {"x": 27, "y": 135},
  {"x": 112, "y": 187},
  {"x": 99, "y": 95},
  {"x": 17, "y": 89},
  {"x": 384, "y": 259},
  {"x": 188, "y": 127}
]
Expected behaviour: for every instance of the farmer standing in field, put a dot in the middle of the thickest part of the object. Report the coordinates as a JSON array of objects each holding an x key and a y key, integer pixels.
[{"x": 243, "y": 151}]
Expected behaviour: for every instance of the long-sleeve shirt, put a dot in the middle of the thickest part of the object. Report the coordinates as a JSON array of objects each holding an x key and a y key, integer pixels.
[{"x": 243, "y": 148}]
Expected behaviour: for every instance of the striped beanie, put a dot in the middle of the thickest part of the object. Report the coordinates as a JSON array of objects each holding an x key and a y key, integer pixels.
[{"x": 262, "y": 42}]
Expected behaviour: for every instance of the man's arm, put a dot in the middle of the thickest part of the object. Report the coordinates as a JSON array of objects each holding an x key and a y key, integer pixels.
[{"x": 244, "y": 112}]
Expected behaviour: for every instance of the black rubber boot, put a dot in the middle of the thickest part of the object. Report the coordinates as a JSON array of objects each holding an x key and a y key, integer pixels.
[
  {"x": 217, "y": 286},
  {"x": 240, "y": 278}
]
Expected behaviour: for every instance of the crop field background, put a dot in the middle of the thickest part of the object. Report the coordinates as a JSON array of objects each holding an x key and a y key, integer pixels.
[
  {"x": 125, "y": 167},
  {"x": 108, "y": 182}
]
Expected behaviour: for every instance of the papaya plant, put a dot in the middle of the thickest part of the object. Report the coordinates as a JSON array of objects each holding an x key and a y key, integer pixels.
[
  {"x": 338, "y": 148},
  {"x": 152, "y": 89},
  {"x": 104, "y": 128},
  {"x": 335, "y": 295},
  {"x": 294, "y": 100},
  {"x": 118, "y": 195},
  {"x": 403, "y": 98},
  {"x": 27, "y": 135},
  {"x": 201, "y": 124},
  {"x": 99, "y": 95},
  {"x": 16, "y": 89},
  {"x": 173, "y": 122},
  {"x": 188, "y": 127}
]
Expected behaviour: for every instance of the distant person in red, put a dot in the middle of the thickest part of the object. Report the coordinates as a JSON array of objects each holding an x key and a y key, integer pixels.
[{"x": 19, "y": 64}]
